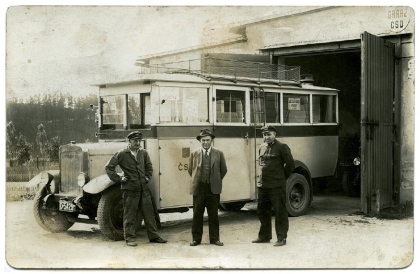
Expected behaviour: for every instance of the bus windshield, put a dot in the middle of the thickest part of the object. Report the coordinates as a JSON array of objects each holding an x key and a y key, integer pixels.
[{"x": 126, "y": 111}]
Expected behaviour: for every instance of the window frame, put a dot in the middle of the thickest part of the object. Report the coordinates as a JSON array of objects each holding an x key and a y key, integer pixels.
[
  {"x": 310, "y": 93},
  {"x": 245, "y": 107}
]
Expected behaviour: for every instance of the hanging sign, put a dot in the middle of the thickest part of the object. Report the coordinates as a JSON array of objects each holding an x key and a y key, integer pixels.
[{"x": 294, "y": 103}]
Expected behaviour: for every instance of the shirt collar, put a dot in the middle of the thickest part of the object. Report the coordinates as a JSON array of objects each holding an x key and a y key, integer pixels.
[
  {"x": 204, "y": 151},
  {"x": 272, "y": 143},
  {"x": 134, "y": 153}
]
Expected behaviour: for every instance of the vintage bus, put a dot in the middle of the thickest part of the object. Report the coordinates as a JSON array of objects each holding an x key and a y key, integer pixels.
[{"x": 170, "y": 106}]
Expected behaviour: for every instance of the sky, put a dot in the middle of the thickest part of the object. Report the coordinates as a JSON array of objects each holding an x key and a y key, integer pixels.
[{"x": 68, "y": 48}]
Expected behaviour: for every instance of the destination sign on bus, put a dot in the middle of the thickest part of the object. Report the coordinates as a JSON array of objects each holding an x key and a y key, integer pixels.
[{"x": 294, "y": 103}]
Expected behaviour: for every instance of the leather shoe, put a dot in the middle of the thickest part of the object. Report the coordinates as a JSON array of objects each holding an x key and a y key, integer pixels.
[
  {"x": 218, "y": 243},
  {"x": 131, "y": 244},
  {"x": 259, "y": 241},
  {"x": 195, "y": 243},
  {"x": 280, "y": 243},
  {"x": 158, "y": 240}
]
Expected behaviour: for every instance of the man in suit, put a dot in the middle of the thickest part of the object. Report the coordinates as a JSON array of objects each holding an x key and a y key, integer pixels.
[{"x": 207, "y": 169}]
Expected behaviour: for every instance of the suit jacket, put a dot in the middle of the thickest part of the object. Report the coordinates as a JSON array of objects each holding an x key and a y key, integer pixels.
[{"x": 218, "y": 170}]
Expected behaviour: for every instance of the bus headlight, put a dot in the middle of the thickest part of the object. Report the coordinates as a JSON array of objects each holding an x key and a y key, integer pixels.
[
  {"x": 53, "y": 187},
  {"x": 356, "y": 161},
  {"x": 82, "y": 179}
]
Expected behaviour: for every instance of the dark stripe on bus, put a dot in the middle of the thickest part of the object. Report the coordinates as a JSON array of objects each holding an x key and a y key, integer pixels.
[{"x": 168, "y": 132}]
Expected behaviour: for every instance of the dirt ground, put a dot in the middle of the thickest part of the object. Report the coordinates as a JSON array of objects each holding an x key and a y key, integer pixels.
[{"x": 331, "y": 235}]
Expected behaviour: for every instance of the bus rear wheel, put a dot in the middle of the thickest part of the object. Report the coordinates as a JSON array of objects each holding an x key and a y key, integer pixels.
[{"x": 298, "y": 195}]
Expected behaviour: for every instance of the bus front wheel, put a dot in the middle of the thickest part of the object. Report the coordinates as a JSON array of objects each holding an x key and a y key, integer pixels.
[{"x": 298, "y": 195}]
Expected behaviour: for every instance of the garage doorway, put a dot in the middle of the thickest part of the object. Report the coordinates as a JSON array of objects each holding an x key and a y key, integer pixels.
[
  {"x": 340, "y": 70},
  {"x": 366, "y": 79}
]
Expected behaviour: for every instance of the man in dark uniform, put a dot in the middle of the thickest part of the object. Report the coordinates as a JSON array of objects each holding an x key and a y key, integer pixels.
[
  {"x": 137, "y": 167},
  {"x": 207, "y": 169},
  {"x": 277, "y": 165}
]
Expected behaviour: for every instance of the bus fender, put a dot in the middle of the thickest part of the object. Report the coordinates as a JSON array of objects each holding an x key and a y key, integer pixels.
[
  {"x": 302, "y": 169},
  {"x": 98, "y": 184}
]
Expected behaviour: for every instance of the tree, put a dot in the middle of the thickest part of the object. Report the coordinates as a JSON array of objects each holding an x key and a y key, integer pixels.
[
  {"x": 11, "y": 140},
  {"x": 23, "y": 151},
  {"x": 41, "y": 139},
  {"x": 52, "y": 149}
]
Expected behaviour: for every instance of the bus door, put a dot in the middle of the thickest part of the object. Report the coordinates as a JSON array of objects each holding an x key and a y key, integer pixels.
[
  {"x": 175, "y": 181},
  {"x": 377, "y": 95},
  {"x": 232, "y": 133}
]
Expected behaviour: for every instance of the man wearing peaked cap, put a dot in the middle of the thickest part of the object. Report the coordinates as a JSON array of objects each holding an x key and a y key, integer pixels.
[
  {"x": 135, "y": 135},
  {"x": 277, "y": 164},
  {"x": 207, "y": 168},
  {"x": 137, "y": 167},
  {"x": 269, "y": 128}
]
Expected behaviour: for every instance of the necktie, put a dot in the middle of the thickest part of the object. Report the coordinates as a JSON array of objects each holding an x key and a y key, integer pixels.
[{"x": 207, "y": 153}]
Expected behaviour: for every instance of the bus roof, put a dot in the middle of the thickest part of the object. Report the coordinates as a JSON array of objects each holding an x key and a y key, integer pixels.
[{"x": 214, "y": 79}]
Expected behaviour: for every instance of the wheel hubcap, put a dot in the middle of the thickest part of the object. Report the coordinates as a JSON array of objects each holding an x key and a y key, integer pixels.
[{"x": 296, "y": 196}]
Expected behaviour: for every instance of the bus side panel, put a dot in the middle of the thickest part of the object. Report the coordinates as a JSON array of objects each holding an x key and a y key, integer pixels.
[
  {"x": 318, "y": 153},
  {"x": 152, "y": 147},
  {"x": 175, "y": 181},
  {"x": 237, "y": 183}
]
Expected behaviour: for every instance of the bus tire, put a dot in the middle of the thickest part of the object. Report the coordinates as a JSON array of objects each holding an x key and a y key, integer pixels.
[
  {"x": 298, "y": 195},
  {"x": 234, "y": 206},
  {"x": 50, "y": 219},
  {"x": 110, "y": 214}
]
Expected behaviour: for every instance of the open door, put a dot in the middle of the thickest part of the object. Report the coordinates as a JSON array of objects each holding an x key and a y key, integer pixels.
[{"x": 377, "y": 122}]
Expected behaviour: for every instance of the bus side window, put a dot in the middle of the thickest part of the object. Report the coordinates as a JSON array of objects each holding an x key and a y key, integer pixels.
[
  {"x": 230, "y": 106},
  {"x": 324, "y": 108},
  {"x": 296, "y": 108},
  {"x": 113, "y": 111},
  {"x": 138, "y": 110},
  {"x": 183, "y": 105},
  {"x": 272, "y": 108}
]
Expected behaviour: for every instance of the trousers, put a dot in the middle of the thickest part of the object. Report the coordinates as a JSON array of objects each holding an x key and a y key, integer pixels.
[
  {"x": 132, "y": 202},
  {"x": 272, "y": 198},
  {"x": 205, "y": 199}
]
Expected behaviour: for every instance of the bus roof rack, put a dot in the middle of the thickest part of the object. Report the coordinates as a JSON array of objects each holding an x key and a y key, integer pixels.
[{"x": 210, "y": 68}]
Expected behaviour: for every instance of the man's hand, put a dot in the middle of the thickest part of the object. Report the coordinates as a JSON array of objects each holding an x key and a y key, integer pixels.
[
  {"x": 124, "y": 179},
  {"x": 259, "y": 181}
]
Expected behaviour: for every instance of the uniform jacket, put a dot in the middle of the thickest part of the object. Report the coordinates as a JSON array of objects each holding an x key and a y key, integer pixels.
[
  {"x": 279, "y": 164},
  {"x": 217, "y": 172},
  {"x": 138, "y": 171}
]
